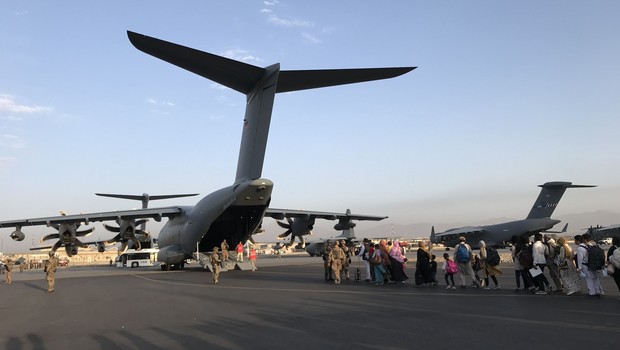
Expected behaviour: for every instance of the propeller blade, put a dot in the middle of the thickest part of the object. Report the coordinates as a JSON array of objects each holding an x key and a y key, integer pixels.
[
  {"x": 112, "y": 228},
  {"x": 123, "y": 247},
  {"x": 283, "y": 225},
  {"x": 80, "y": 244},
  {"x": 116, "y": 238},
  {"x": 56, "y": 246},
  {"x": 85, "y": 232},
  {"x": 285, "y": 234}
]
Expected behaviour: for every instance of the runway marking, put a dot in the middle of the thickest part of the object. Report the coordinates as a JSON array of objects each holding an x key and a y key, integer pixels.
[{"x": 379, "y": 290}]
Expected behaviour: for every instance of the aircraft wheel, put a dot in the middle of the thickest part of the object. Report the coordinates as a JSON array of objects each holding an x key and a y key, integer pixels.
[{"x": 165, "y": 267}]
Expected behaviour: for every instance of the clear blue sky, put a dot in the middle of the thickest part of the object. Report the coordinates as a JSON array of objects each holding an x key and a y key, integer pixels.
[{"x": 507, "y": 96}]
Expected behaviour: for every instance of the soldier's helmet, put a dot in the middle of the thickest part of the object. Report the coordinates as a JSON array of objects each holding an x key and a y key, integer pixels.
[
  {"x": 215, "y": 249},
  {"x": 51, "y": 254}
]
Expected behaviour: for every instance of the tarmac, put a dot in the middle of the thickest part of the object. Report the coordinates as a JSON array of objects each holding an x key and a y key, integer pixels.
[{"x": 287, "y": 304}]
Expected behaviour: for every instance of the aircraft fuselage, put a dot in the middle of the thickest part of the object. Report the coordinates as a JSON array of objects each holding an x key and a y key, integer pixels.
[
  {"x": 232, "y": 213},
  {"x": 496, "y": 235}
]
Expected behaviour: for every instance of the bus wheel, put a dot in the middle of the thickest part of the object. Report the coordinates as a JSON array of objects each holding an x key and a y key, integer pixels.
[{"x": 134, "y": 264}]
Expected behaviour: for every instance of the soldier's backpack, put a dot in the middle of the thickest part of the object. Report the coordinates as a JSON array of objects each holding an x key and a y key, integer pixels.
[
  {"x": 492, "y": 257},
  {"x": 596, "y": 258},
  {"x": 462, "y": 254}
]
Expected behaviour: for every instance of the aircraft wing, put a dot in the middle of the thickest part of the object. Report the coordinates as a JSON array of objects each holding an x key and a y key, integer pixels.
[
  {"x": 280, "y": 214},
  {"x": 155, "y": 213}
]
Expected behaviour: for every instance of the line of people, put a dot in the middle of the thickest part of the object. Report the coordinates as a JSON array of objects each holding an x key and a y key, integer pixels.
[{"x": 548, "y": 254}]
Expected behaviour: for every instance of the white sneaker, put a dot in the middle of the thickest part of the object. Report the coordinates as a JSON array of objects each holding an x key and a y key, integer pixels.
[
  {"x": 497, "y": 287},
  {"x": 448, "y": 287},
  {"x": 453, "y": 287}
]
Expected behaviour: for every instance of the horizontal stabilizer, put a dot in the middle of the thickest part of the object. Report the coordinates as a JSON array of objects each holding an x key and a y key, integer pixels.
[
  {"x": 293, "y": 80},
  {"x": 236, "y": 75},
  {"x": 242, "y": 77},
  {"x": 145, "y": 196}
]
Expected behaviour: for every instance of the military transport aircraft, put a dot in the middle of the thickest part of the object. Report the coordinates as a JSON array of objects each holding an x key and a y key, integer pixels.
[
  {"x": 234, "y": 212},
  {"x": 317, "y": 248},
  {"x": 538, "y": 220},
  {"x": 600, "y": 233},
  {"x": 300, "y": 222}
]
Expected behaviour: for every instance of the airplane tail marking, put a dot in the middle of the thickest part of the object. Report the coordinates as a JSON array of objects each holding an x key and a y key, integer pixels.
[{"x": 549, "y": 198}]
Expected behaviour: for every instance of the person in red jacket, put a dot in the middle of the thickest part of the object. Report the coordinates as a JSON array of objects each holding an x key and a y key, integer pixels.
[
  {"x": 253, "y": 258},
  {"x": 239, "y": 250}
]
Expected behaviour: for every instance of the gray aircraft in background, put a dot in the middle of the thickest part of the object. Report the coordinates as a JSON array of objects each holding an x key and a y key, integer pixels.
[
  {"x": 538, "y": 220},
  {"x": 235, "y": 212}
]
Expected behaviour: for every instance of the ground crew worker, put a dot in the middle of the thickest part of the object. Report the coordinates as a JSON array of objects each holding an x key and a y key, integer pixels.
[
  {"x": 50, "y": 271},
  {"x": 337, "y": 260},
  {"x": 215, "y": 264},
  {"x": 8, "y": 265},
  {"x": 239, "y": 250},
  {"x": 224, "y": 247},
  {"x": 21, "y": 266},
  {"x": 253, "y": 258},
  {"x": 327, "y": 261}
]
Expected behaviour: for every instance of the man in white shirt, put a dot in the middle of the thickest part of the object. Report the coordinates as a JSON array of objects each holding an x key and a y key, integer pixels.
[
  {"x": 594, "y": 285},
  {"x": 539, "y": 253}
]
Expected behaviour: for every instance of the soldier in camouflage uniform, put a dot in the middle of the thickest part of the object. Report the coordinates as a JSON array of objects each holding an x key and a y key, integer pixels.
[
  {"x": 8, "y": 265},
  {"x": 347, "y": 258},
  {"x": 327, "y": 260},
  {"x": 337, "y": 260},
  {"x": 215, "y": 261},
  {"x": 50, "y": 271},
  {"x": 225, "y": 248}
]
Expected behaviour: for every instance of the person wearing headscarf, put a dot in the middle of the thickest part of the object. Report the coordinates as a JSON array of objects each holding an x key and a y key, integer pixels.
[
  {"x": 385, "y": 255},
  {"x": 565, "y": 262},
  {"x": 397, "y": 263},
  {"x": 489, "y": 270},
  {"x": 423, "y": 265}
]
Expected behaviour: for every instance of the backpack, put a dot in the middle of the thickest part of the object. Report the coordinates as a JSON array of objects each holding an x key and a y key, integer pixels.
[
  {"x": 462, "y": 254},
  {"x": 492, "y": 257},
  {"x": 525, "y": 257},
  {"x": 596, "y": 258},
  {"x": 452, "y": 267}
]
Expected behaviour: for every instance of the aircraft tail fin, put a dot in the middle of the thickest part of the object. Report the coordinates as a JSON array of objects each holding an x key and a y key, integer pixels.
[
  {"x": 433, "y": 237},
  {"x": 549, "y": 198},
  {"x": 258, "y": 84}
]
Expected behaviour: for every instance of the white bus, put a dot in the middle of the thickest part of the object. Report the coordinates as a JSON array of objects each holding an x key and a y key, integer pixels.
[{"x": 137, "y": 258}]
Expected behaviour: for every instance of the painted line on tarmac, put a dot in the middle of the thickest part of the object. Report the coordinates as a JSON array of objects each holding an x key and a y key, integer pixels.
[{"x": 378, "y": 291}]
